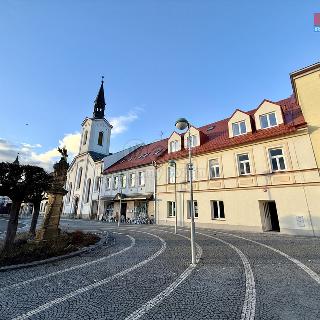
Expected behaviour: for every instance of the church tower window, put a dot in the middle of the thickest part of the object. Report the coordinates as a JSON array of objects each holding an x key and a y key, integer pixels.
[
  {"x": 100, "y": 138},
  {"x": 85, "y": 137}
]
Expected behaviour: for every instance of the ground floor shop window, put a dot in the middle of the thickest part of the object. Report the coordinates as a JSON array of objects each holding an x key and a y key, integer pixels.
[
  {"x": 195, "y": 209},
  {"x": 217, "y": 209}
]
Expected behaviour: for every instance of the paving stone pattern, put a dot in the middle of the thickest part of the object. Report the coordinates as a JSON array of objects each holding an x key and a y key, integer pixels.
[{"x": 215, "y": 289}]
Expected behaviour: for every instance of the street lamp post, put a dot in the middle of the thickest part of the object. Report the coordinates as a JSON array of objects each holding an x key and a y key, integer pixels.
[
  {"x": 173, "y": 164},
  {"x": 182, "y": 124},
  {"x": 120, "y": 185}
]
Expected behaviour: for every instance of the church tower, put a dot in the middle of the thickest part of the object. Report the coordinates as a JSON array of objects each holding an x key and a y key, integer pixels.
[{"x": 96, "y": 131}]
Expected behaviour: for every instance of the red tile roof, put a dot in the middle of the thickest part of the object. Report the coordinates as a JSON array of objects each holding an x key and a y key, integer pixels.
[
  {"x": 142, "y": 156},
  {"x": 216, "y": 138}
]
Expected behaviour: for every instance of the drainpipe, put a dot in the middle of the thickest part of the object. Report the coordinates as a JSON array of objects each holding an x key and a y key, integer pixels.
[{"x": 304, "y": 191}]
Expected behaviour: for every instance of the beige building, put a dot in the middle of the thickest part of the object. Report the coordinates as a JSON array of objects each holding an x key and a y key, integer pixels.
[{"x": 257, "y": 170}]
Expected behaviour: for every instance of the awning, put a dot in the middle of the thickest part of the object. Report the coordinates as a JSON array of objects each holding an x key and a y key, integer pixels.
[{"x": 137, "y": 196}]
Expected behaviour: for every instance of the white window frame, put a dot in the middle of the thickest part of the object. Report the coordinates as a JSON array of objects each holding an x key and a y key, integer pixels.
[
  {"x": 244, "y": 161},
  {"x": 141, "y": 178},
  {"x": 215, "y": 166},
  {"x": 238, "y": 124},
  {"x": 123, "y": 181},
  {"x": 132, "y": 179},
  {"x": 171, "y": 174},
  {"x": 115, "y": 182},
  {"x": 219, "y": 212},
  {"x": 195, "y": 212},
  {"x": 174, "y": 145},
  {"x": 268, "y": 119},
  {"x": 194, "y": 141},
  {"x": 194, "y": 173},
  {"x": 277, "y": 159},
  {"x": 171, "y": 209},
  {"x": 108, "y": 183}
]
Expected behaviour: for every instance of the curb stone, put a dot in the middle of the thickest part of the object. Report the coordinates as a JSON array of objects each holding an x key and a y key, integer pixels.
[{"x": 103, "y": 241}]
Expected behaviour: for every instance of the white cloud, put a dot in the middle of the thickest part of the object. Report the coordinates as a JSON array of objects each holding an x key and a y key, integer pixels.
[
  {"x": 120, "y": 124},
  {"x": 28, "y": 153}
]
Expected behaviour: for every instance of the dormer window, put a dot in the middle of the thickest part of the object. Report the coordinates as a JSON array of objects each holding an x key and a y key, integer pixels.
[
  {"x": 268, "y": 120},
  {"x": 239, "y": 128},
  {"x": 193, "y": 140},
  {"x": 174, "y": 146}
]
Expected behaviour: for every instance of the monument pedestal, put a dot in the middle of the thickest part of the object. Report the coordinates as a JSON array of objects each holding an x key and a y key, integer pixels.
[{"x": 50, "y": 227}]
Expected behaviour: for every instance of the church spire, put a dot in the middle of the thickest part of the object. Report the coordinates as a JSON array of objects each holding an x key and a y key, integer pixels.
[
  {"x": 99, "y": 103},
  {"x": 17, "y": 159}
]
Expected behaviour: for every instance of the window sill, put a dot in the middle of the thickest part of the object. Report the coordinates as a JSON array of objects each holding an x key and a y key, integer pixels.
[
  {"x": 218, "y": 219},
  {"x": 279, "y": 171}
]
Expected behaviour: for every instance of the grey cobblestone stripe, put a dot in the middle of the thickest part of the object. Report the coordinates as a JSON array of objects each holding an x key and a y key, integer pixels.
[
  {"x": 23, "y": 283},
  {"x": 94, "y": 285},
  {"x": 249, "y": 305},
  {"x": 165, "y": 293},
  {"x": 310, "y": 272}
]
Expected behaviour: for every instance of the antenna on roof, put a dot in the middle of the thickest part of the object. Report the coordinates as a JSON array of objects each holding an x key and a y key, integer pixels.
[{"x": 161, "y": 135}]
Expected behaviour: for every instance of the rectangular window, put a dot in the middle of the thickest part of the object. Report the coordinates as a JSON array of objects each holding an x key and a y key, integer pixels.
[
  {"x": 171, "y": 205},
  {"x": 132, "y": 179},
  {"x": 123, "y": 181},
  {"x": 141, "y": 178},
  {"x": 268, "y": 120},
  {"x": 171, "y": 174},
  {"x": 174, "y": 146},
  {"x": 115, "y": 182},
  {"x": 244, "y": 164},
  {"x": 214, "y": 169},
  {"x": 217, "y": 209},
  {"x": 239, "y": 128},
  {"x": 194, "y": 141},
  {"x": 277, "y": 159},
  {"x": 195, "y": 209},
  {"x": 97, "y": 184},
  {"x": 108, "y": 184},
  {"x": 193, "y": 172}
]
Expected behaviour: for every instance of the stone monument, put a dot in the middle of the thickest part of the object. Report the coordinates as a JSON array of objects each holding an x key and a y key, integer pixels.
[{"x": 50, "y": 227}]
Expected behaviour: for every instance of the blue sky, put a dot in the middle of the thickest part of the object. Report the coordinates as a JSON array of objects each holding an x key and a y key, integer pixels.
[{"x": 200, "y": 59}]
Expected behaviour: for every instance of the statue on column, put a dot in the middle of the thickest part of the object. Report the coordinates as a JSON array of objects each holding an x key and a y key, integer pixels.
[{"x": 50, "y": 227}]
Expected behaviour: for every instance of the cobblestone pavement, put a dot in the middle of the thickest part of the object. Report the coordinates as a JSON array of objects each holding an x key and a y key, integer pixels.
[
  {"x": 4, "y": 222},
  {"x": 146, "y": 274}
]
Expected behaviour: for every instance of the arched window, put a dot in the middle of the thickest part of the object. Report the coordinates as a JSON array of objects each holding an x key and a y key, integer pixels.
[
  {"x": 79, "y": 178},
  {"x": 69, "y": 193},
  {"x": 88, "y": 190},
  {"x": 100, "y": 138},
  {"x": 85, "y": 137}
]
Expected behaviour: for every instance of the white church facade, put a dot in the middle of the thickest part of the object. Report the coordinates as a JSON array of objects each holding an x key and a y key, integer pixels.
[{"x": 85, "y": 172}]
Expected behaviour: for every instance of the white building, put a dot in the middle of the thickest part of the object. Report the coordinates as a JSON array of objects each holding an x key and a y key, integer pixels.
[
  {"x": 85, "y": 171},
  {"x": 133, "y": 180}
]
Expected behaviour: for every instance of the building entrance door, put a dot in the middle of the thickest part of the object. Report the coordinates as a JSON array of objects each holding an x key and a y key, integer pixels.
[
  {"x": 124, "y": 210},
  {"x": 269, "y": 216}
]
